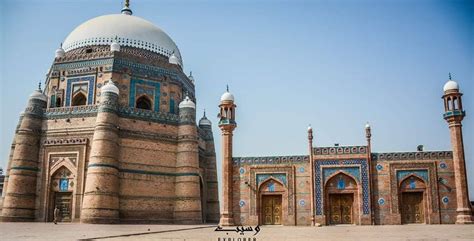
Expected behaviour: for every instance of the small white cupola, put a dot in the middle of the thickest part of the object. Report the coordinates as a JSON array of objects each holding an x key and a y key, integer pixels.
[
  {"x": 110, "y": 87},
  {"x": 450, "y": 85},
  {"x": 204, "y": 121},
  {"x": 115, "y": 46},
  {"x": 227, "y": 96},
  {"x": 60, "y": 52},
  {"x": 38, "y": 94},
  {"x": 187, "y": 103},
  {"x": 173, "y": 59}
]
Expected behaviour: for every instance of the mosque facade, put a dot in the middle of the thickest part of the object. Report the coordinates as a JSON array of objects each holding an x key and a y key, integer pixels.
[
  {"x": 113, "y": 137},
  {"x": 347, "y": 184}
]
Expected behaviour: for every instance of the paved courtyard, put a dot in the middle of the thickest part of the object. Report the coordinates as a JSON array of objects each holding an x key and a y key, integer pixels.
[{"x": 48, "y": 231}]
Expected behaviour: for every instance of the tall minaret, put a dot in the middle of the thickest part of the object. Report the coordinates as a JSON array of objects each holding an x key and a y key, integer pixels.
[
  {"x": 311, "y": 168},
  {"x": 454, "y": 115},
  {"x": 187, "y": 207},
  {"x": 20, "y": 193},
  {"x": 212, "y": 202},
  {"x": 101, "y": 194},
  {"x": 227, "y": 125}
]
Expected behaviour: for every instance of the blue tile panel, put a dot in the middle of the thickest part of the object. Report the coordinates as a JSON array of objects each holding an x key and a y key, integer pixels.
[
  {"x": 133, "y": 92},
  {"x": 361, "y": 175},
  {"x": 263, "y": 177},
  {"x": 352, "y": 171},
  {"x": 423, "y": 174},
  {"x": 90, "y": 92}
]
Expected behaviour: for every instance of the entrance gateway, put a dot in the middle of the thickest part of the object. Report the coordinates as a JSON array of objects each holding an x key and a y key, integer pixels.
[
  {"x": 340, "y": 208},
  {"x": 271, "y": 207},
  {"x": 412, "y": 207},
  {"x": 63, "y": 200}
]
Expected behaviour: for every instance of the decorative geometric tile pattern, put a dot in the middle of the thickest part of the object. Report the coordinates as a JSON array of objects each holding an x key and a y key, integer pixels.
[
  {"x": 242, "y": 203},
  {"x": 379, "y": 167},
  {"x": 340, "y": 150},
  {"x": 90, "y": 93},
  {"x": 420, "y": 155},
  {"x": 269, "y": 160},
  {"x": 263, "y": 177},
  {"x": 352, "y": 171},
  {"x": 302, "y": 202},
  {"x": 443, "y": 165},
  {"x": 423, "y": 174},
  {"x": 319, "y": 181},
  {"x": 242, "y": 170},
  {"x": 445, "y": 200},
  {"x": 134, "y": 90},
  {"x": 381, "y": 201}
]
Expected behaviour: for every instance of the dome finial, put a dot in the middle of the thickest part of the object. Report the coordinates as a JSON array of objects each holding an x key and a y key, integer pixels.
[
  {"x": 126, "y": 9},
  {"x": 39, "y": 85},
  {"x": 450, "y": 76},
  {"x": 227, "y": 88},
  {"x": 204, "y": 112}
]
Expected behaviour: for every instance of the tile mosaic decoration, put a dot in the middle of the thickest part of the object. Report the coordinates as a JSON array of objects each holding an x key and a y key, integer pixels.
[
  {"x": 90, "y": 92},
  {"x": 319, "y": 167}
]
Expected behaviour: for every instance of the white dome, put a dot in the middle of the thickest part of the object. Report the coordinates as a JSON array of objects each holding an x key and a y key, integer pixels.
[
  {"x": 227, "y": 96},
  {"x": 110, "y": 87},
  {"x": 310, "y": 128},
  {"x": 367, "y": 125},
  {"x": 114, "y": 47},
  {"x": 59, "y": 52},
  {"x": 130, "y": 31},
  {"x": 187, "y": 103},
  {"x": 37, "y": 94},
  {"x": 451, "y": 85}
]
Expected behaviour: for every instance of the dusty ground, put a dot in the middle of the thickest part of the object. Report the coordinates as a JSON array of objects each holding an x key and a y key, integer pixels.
[{"x": 48, "y": 231}]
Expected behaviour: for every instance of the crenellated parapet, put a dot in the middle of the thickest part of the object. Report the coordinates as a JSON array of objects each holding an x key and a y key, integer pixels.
[
  {"x": 270, "y": 160},
  {"x": 420, "y": 155},
  {"x": 338, "y": 150}
]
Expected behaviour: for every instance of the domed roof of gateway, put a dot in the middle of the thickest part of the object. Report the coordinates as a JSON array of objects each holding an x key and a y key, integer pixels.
[{"x": 130, "y": 31}]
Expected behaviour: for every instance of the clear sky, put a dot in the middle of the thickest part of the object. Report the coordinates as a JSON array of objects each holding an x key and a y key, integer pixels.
[{"x": 334, "y": 64}]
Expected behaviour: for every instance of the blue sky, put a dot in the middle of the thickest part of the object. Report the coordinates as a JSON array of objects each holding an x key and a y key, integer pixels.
[{"x": 334, "y": 64}]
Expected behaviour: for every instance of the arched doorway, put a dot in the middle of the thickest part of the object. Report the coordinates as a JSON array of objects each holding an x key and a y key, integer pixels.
[
  {"x": 271, "y": 195},
  {"x": 342, "y": 194},
  {"x": 61, "y": 194},
  {"x": 412, "y": 196}
]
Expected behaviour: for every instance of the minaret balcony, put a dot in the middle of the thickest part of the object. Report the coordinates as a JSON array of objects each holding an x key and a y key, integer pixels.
[{"x": 452, "y": 113}]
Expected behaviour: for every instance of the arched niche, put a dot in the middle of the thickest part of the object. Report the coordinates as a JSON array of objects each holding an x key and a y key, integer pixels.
[
  {"x": 143, "y": 102},
  {"x": 413, "y": 200},
  {"x": 62, "y": 185},
  {"x": 273, "y": 199},
  {"x": 342, "y": 199},
  {"x": 79, "y": 99}
]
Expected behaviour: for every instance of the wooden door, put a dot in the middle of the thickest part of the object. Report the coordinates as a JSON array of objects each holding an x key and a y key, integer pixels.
[
  {"x": 271, "y": 207},
  {"x": 63, "y": 200},
  {"x": 412, "y": 208},
  {"x": 340, "y": 208}
]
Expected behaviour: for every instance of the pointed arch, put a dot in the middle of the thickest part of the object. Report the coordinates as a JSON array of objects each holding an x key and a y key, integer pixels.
[
  {"x": 143, "y": 102},
  {"x": 79, "y": 99}
]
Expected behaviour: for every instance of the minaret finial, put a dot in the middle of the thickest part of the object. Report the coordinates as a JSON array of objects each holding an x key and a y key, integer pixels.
[
  {"x": 227, "y": 88},
  {"x": 450, "y": 76},
  {"x": 204, "y": 112},
  {"x": 39, "y": 85},
  {"x": 127, "y": 3}
]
